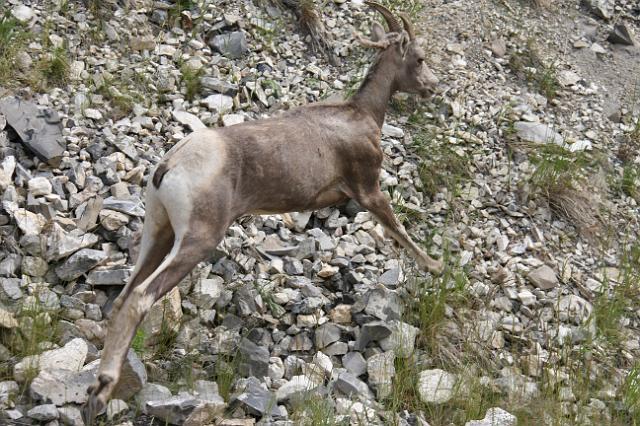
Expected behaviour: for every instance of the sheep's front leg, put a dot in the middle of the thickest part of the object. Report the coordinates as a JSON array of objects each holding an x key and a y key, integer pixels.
[{"x": 377, "y": 204}]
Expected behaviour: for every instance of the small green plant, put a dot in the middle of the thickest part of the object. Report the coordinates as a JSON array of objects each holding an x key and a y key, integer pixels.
[
  {"x": 536, "y": 70},
  {"x": 54, "y": 67},
  {"x": 225, "y": 372},
  {"x": 631, "y": 393},
  {"x": 191, "y": 80},
  {"x": 410, "y": 7},
  {"x": 13, "y": 39},
  {"x": 619, "y": 295},
  {"x": 441, "y": 166},
  {"x": 629, "y": 181},
  {"x": 559, "y": 178},
  {"x": 138, "y": 342},
  {"x": 313, "y": 410},
  {"x": 119, "y": 96}
]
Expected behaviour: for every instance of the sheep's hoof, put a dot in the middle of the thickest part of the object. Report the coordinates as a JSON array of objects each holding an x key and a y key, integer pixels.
[{"x": 98, "y": 394}]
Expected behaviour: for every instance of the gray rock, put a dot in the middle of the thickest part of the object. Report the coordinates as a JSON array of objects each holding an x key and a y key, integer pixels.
[
  {"x": 355, "y": 363},
  {"x": 402, "y": 339},
  {"x": 254, "y": 359},
  {"x": 372, "y": 332},
  {"x": 327, "y": 334},
  {"x": 152, "y": 392},
  {"x": 384, "y": 304},
  {"x": 349, "y": 384},
  {"x": 601, "y": 8},
  {"x": 11, "y": 288},
  {"x": 436, "y": 386},
  {"x": 62, "y": 386},
  {"x": 174, "y": 410},
  {"x": 538, "y": 133},
  {"x": 34, "y": 266},
  {"x": 381, "y": 370},
  {"x": 132, "y": 378},
  {"x": 80, "y": 263},
  {"x": 232, "y": 45},
  {"x": 10, "y": 265},
  {"x": 256, "y": 400},
  {"x": 70, "y": 415},
  {"x": 131, "y": 207},
  {"x": 543, "y": 278},
  {"x": 62, "y": 244},
  {"x": 43, "y": 413},
  {"x": 621, "y": 34},
  {"x": 390, "y": 278},
  {"x": 109, "y": 276},
  {"x": 495, "y": 417},
  {"x": 39, "y": 130},
  {"x": 219, "y": 86}
]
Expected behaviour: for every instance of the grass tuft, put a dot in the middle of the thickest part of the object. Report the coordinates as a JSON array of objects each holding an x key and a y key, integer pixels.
[
  {"x": 191, "y": 81},
  {"x": 559, "y": 178},
  {"x": 13, "y": 38},
  {"x": 539, "y": 72},
  {"x": 54, "y": 67}
]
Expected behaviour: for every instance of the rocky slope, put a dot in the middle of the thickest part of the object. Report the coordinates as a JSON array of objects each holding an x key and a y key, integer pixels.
[{"x": 521, "y": 172}]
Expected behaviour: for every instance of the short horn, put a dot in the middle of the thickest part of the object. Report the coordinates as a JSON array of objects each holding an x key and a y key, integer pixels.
[
  {"x": 408, "y": 26},
  {"x": 392, "y": 21}
]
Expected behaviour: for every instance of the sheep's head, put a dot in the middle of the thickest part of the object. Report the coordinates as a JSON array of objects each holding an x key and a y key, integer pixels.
[{"x": 400, "y": 46}]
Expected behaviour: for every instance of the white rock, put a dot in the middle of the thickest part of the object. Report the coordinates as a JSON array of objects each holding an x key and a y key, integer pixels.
[
  {"x": 297, "y": 384},
  {"x": 568, "y": 78},
  {"x": 218, "y": 103},
  {"x": 23, "y": 13},
  {"x": 392, "y": 131},
  {"x": 538, "y": 133},
  {"x": 232, "y": 119},
  {"x": 28, "y": 222},
  {"x": 94, "y": 114},
  {"x": 7, "y": 167},
  {"x": 436, "y": 386},
  {"x": 381, "y": 370},
  {"x": 39, "y": 186},
  {"x": 495, "y": 417},
  {"x": 188, "y": 119},
  {"x": 70, "y": 357},
  {"x": 207, "y": 291},
  {"x": 574, "y": 308},
  {"x": 115, "y": 407}
]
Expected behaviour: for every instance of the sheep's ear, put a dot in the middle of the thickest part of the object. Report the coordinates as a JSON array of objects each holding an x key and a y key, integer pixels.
[
  {"x": 377, "y": 32},
  {"x": 405, "y": 41}
]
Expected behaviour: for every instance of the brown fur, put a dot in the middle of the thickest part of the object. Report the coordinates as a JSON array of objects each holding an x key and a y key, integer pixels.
[{"x": 312, "y": 157}]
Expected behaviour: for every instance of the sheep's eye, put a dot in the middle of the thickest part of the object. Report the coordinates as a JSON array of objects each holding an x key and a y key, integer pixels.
[{"x": 421, "y": 60}]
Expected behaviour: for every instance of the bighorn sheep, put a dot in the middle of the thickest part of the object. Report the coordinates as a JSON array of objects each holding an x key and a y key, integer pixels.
[{"x": 309, "y": 158}]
